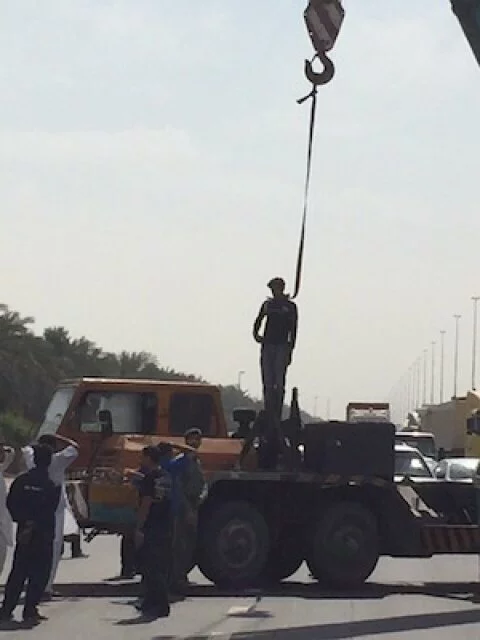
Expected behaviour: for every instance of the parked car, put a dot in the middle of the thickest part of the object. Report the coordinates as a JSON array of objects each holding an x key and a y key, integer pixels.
[
  {"x": 410, "y": 462},
  {"x": 457, "y": 469}
]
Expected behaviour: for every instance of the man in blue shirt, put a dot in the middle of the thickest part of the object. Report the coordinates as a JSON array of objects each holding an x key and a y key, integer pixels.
[{"x": 176, "y": 467}]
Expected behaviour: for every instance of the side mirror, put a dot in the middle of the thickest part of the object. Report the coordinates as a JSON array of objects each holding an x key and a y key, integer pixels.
[
  {"x": 244, "y": 417},
  {"x": 106, "y": 424}
]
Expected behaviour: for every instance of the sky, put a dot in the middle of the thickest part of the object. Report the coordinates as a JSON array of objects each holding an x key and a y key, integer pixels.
[{"x": 152, "y": 159}]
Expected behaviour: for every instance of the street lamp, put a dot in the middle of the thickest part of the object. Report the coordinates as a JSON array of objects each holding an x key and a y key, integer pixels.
[
  {"x": 474, "y": 341},
  {"x": 425, "y": 357},
  {"x": 240, "y": 376},
  {"x": 455, "y": 357},
  {"x": 432, "y": 388},
  {"x": 419, "y": 380},
  {"x": 442, "y": 362}
]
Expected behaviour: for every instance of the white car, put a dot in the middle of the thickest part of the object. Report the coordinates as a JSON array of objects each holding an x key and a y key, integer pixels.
[
  {"x": 410, "y": 463},
  {"x": 457, "y": 469}
]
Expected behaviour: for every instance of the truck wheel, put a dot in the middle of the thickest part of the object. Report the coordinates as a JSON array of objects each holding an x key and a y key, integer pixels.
[
  {"x": 345, "y": 546},
  {"x": 234, "y": 543},
  {"x": 285, "y": 558}
]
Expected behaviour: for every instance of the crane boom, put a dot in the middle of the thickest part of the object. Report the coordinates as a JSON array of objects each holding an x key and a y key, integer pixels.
[{"x": 468, "y": 14}]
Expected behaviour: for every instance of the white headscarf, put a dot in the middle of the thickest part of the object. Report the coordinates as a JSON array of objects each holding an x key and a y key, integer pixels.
[{"x": 6, "y": 525}]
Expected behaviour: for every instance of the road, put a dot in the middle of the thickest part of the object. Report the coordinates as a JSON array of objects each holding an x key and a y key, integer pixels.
[{"x": 404, "y": 600}]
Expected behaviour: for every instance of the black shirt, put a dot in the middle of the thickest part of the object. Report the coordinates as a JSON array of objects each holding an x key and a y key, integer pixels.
[
  {"x": 33, "y": 497},
  {"x": 281, "y": 325},
  {"x": 157, "y": 484}
]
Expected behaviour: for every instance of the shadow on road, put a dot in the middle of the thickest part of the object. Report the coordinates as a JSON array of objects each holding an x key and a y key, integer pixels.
[
  {"x": 348, "y": 630},
  {"x": 98, "y": 590},
  {"x": 369, "y": 591}
]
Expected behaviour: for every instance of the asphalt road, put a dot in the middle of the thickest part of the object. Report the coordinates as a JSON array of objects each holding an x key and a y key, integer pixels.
[{"x": 404, "y": 600}]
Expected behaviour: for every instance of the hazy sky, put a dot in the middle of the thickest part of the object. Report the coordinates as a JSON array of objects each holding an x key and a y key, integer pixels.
[{"x": 151, "y": 175}]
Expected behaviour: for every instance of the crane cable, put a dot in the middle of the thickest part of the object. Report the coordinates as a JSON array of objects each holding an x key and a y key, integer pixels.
[
  {"x": 311, "y": 135},
  {"x": 316, "y": 79}
]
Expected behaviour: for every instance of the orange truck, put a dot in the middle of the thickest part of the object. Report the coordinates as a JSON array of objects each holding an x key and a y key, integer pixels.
[{"x": 143, "y": 412}]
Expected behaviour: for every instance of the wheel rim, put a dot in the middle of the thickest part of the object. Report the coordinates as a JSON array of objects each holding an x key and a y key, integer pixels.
[
  {"x": 348, "y": 544},
  {"x": 237, "y": 544}
]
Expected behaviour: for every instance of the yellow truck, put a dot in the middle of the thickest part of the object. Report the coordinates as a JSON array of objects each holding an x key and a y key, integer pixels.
[{"x": 448, "y": 422}]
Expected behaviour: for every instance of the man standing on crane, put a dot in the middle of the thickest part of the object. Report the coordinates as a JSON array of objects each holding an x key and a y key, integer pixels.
[{"x": 278, "y": 343}]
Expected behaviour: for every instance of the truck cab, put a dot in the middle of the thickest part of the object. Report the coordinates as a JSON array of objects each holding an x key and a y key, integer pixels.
[{"x": 143, "y": 412}]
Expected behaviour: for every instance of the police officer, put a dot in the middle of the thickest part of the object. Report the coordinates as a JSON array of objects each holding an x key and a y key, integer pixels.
[
  {"x": 278, "y": 343},
  {"x": 153, "y": 534},
  {"x": 32, "y": 502}
]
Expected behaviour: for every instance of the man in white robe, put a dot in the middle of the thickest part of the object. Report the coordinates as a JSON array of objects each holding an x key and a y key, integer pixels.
[
  {"x": 6, "y": 526},
  {"x": 61, "y": 460}
]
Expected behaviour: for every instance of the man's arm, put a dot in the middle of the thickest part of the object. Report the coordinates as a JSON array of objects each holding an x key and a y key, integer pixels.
[
  {"x": 66, "y": 441},
  {"x": 258, "y": 322},
  {"x": 27, "y": 454},
  {"x": 62, "y": 459}
]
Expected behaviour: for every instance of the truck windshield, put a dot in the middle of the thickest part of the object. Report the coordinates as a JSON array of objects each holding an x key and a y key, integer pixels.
[{"x": 56, "y": 410}]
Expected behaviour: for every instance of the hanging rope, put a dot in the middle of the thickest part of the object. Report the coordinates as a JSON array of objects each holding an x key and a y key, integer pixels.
[{"x": 316, "y": 79}]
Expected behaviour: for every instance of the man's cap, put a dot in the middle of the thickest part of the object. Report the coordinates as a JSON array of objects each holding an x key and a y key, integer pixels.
[
  {"x": 276, "y": 282},
  {"x": 194, "y": 431}
]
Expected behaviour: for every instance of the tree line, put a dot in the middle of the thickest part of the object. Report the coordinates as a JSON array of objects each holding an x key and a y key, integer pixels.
[{"x": 32, "y": 365}]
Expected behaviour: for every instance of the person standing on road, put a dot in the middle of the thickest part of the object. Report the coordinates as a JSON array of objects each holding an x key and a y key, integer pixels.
[
  {"x": 32, "y": 502},
  {"x": 153, "y": 534},
  {"x": 65, "y": 452},
  {"x": 7, "y": 455},
  {"x": 176, "y": 466},
  {"x": 195, "y": 490},
  {"x": 278, "y": 342}
]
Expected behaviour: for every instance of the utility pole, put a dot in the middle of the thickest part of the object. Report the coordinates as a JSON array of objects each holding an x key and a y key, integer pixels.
[
  {"x": 432, "y": 388},
  {"x": 455, "y": 356},
  {"x": 239, "y": 381},
  {"x": 442, "y": 362},
  {"x": 425, "y": 357},
  {"x": 474, "y": 341},
  {"x": 419, "y": 381}
]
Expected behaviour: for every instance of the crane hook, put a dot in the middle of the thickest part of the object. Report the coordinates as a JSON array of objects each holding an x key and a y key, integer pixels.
[{"x": 324, "y": 76}]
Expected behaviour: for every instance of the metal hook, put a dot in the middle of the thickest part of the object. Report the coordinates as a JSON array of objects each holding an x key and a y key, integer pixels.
[{"x": 324, "y": 76}]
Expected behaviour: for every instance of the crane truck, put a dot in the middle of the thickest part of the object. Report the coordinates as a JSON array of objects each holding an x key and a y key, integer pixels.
[{"x": 334, "y": 502}]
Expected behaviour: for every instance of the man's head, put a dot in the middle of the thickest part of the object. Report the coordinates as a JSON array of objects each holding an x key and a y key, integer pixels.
[
  {"x": 150, "y": 457},
  {"x": 49, "y": 441},
  {"x": 165, "y": 450},
  {"x": 42, "y": 456},
  {"x": 277, "y": 287},
  {"x": 193, "y": 438}
]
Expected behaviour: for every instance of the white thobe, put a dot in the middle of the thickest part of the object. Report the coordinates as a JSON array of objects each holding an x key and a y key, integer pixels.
[{"x": 6, "y": 525}]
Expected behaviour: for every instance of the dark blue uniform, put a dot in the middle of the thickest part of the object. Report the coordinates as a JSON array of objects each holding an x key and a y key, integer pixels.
[
  {"x": 156, "y": 550},
  {"x": 32, "y": 502}
]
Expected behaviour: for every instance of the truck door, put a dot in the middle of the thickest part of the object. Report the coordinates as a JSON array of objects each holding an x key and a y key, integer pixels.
[{"x": 132, "y": 413}]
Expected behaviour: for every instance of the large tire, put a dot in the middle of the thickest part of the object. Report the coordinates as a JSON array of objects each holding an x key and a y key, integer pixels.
[
  {"x": 233, "y": 544},
  {"x": 344, "y": 548},
  {"x": 285, "y": 558}
]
